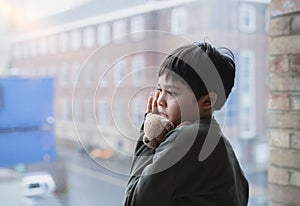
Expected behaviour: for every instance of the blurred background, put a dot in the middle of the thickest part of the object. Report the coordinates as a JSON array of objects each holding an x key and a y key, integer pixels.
[{"x": 75, "y": 77}]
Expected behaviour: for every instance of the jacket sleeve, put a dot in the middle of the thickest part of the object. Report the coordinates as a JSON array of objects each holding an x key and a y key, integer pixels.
[{"x": 153, "y": 178}]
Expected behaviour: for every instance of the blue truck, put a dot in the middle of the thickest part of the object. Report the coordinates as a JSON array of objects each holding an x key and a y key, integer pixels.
[{"x": 27, "y": 120}]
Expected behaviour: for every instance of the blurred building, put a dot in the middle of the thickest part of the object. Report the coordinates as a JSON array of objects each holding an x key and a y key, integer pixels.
[{"x": 96, "y": 52}]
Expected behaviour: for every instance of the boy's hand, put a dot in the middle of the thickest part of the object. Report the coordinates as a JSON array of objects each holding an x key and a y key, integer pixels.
[{"x": 152, "y": 103}]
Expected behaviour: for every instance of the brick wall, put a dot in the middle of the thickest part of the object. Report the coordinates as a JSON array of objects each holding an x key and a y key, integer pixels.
[{"x": 284, "y": 103}]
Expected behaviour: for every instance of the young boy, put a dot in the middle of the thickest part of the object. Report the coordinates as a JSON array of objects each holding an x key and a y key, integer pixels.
[{"x": 194, "y": 164}]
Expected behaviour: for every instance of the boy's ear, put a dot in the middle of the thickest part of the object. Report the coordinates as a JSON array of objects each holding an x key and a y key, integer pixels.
[{"x": 208, "y": 101}]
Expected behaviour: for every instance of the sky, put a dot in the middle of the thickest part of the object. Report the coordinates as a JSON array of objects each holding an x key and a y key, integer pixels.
[{"x": 42, "y": 8}]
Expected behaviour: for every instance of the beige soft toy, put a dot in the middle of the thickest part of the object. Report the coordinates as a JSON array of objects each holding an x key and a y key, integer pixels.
[{"x": 155, "y": 128}]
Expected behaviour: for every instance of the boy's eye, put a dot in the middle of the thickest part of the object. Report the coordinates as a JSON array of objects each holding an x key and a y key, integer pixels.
[{"x": 170, "y": 93}]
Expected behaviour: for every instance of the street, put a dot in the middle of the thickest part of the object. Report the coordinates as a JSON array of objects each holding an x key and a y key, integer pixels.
[{"x": 81, "y": 180}]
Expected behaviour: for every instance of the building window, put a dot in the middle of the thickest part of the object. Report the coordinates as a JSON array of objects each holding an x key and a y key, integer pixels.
[
  {"x": 89, "y": 37},
  {"x": 42, "y": 71},
  {"x": 77, "y": 110},
  {"x": 52, "y": 71},
  {"x": 64, "y": 75},
  {"x": 119, "y": 29},
  {"x": 247, "y": 91},
  {"x": 23, "y": 49},
  {"x": 65, "y": 109},
  {"x": 63, "y": 42},
  {"x": 137, "y": 24},
  {"x": 42, "y": 44},
  {"x": 33, "y": 48},
  {"x": 179, "y": 20},
  {"x": 119, "y": 72},
  {"x": 75, "y": 39},
  {"x": 52, "y": 44},
  {"x": 75, "y": 70},
  {"x": 104, "y": 78},
  {"x": 136, "y": 108},
  {"x": 89, "y": 74},
  {"x": 247, "y": 18},
  {"x": 17, "y": 50},
  {"x": 89, "y": 111},
  {"x": 138, "y": 69},
  {"x": 103, "y": 34},
  {"x": 104, "y": 112}
]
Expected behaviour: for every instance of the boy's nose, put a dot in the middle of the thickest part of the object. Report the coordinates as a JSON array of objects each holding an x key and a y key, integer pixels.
[{"x": 161, "y": 100}]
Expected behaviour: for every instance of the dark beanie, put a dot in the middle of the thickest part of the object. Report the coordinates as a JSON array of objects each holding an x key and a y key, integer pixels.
[{"x": 204, "y": 68}]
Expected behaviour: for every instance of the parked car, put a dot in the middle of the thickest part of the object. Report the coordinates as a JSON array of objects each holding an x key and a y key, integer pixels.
[{"x": 38, "y": 184}]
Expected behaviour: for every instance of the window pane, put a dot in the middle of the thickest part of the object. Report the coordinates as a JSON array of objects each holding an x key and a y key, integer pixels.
[
  {"x": 179, "y": 20},
  {"x": 89, "y": 37},
  {"x": 103, "y": 34},
  {"x": 119, "y": 29}
]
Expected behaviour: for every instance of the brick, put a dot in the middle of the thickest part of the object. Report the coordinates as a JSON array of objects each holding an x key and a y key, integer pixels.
[
  {"x": 295, "y": 102},
  {"x": 285, "y": 158},
  {"x": 282, "y": 7},
  {"x": 294, "y": 82},
  {"x": 284, "y": 120},
  {"x": 280, "y": 138},
  {"x": 295, "y": 178},
  {"x": 280, "y": 26},
  {"x": 295, "y": 63},
  {"x": 279, "y": 102},
  {"x": 295, "y": 139},
  {"x": 285, "y": 45},
  {"x": 278, "y": 82},
  {"x": 295, "y": 25},
  {"x": 278, "y": 175},
  {"x": 279, "y": 63},
  {"x": 289, "y": 196},
  {"x": 284, "y": 82}
]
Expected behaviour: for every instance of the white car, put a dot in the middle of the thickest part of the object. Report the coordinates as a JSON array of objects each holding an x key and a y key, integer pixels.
[{"x": 38, "y": 184}]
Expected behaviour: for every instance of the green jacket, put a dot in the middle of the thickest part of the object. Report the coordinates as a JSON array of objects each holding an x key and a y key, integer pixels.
[{"x": 195, "y": 165}]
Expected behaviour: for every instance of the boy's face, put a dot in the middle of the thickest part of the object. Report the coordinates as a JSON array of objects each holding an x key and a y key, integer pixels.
[{"x": 176, "y": 102}]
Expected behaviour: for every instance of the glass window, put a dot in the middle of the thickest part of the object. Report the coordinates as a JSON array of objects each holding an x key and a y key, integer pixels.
[
  {"x": 89, "y": 37},
  {"x": 75, "y": 38},
  {"x": 33, "y": 48},
  {"x": 137, "y": 24},
  {"x": 247, "y": 18},
  {"x": 78, "y": 110},
  {"x": 52, "y": 70},
  {"x": 75, "y": 69},
  {"x": 63, "y": 42},
  {"x": 119, "y": 72},
  {"x": 65, "y": 108},
  {"x": 137, "y": 108},
  {"x": 89, "y": 111},
  {"x": 90, "y": 74},
  {"x": 104, "y": 112},
  {"x": 138, "y": 69},
  {"x": 104, "y": 74},
  {"x": 247, "y": 100},
  {"x": 43, "y": 47},
  {"x": 52, "y": 44},
  {"x": 64, "y": 75},
  {"x": 24, "y": 49},
  {"x": 119, "y": 29},
  {"x": 103, "y": 34},
  {"x": 17, "y": 50},
  {"x": 179, "y": 20}
]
